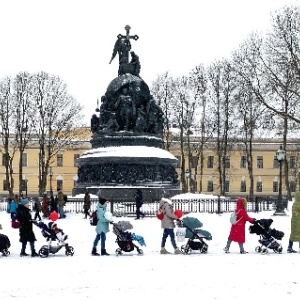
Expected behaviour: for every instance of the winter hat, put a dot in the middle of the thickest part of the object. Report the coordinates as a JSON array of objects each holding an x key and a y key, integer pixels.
[
  {"x": 24, "y": 201},
  {"x": 102, "y": 201},
  {"x": 166, "y": 194}
]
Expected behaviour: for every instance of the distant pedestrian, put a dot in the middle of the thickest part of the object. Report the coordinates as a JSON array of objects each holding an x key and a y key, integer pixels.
[
  {"x": 138, "y": 204},
  {"x": 45, "y": 206},
  {"x": 61, "y": 203},
  {"x": 295, "y": 224},
  {"x": 37, "y": 209},
  {"x": 53, "y": 204},
  {"x": 86, "y": 204},
  {"x": 12, "y": 208},
  {"x": 237, "y": 231}
]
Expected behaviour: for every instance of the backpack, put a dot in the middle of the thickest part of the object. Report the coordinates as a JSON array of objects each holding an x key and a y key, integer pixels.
[
  {"x": 65, "y": 198},
  {"x": 160, "y": 214},
  {"x": 233, "y": 218},
  {"x": 14, "y": 221},
  {"x": 94, "y": 218}
]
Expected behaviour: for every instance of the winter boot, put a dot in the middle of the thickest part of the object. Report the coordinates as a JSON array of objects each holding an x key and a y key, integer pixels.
[
  {"x": 290, "y": 250},
  {"x": 34, "y": 254},
  {"x": 94, "y": 252},
  {"x": 177, "y": 251},
  {"x": 164, "y": 251},
  {"x": 103, "y": 252},
  {"x": 23, "y": 253},
  {"x": 226, "y": 250}
]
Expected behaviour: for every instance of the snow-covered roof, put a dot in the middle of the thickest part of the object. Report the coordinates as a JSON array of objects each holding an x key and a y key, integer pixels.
[
  {"x": 189, "y": 196},
  {"x": 128, "y": 151}
]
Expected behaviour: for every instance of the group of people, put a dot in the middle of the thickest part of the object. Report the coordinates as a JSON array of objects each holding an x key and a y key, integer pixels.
[{"x": 20, "y": 206}]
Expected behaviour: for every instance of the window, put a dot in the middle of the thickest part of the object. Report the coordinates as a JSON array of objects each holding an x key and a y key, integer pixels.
[
  {"x": 227, "y": 162},
  {"x": 275, "y": 163},
  {"x": 275, "y": 186},
  {"x": 194, "y": 161},
  {"x": 293, "y": 186},
  {"x": 259, "y": 186},
  {"x": 292, "y": 162},
  {"x": 24, "y": 159},
  {"x": 75, "y": 157},
  {"x": 5, "y": 185},
  {"x": 59, "y": 160},
  {"x": 260, "y": 162},
  {"x": 210, "y": 162},
  {"x": 178, "y": 161},
  {"x": 23, "y": 185},
  {"x": 210, "y": 186},
  {"x": 243, "y": 186},
  {"x": 59, "y": 184},
  {"x": 4, "y": 156},
  {"x": 243, "y": 164}
]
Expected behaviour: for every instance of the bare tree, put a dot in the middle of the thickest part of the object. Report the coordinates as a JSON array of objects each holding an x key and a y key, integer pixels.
[{"x": 7, "y": 106}]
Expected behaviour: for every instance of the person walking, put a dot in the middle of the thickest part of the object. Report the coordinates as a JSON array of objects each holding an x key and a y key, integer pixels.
[
  {"x": 138, "y": 204},
  {"x": 167, "y": 224},
  {"x": 26, "y": 230},
  {"x": 45, "y": 206},
  {"x": 295, "y": 224},
  {"x": 61, "y": 203},
  {"x": 12, "y": 208},
  {"x": 237, "y": 231},
  {"x": 102, "y": 227},
  {"x": 37, "y": 208},
  {"x": 86, "y": 204}
]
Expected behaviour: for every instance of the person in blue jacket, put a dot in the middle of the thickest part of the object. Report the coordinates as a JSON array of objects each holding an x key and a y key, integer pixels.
[{"x": 102, "y": 227}]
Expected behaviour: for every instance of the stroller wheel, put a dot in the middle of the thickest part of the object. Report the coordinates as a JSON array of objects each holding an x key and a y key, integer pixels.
[
  {"x": 186, "y": 249},
  {"x": 278, "y": 249},
  {"x": 118, "y": 251},
  {"x": 204, "y": 249},
  {"x": 5, "y": 252},
  {"x": 70, "y": 251},
  {"x": 264, "y": 251},
  {"x": 140, "y": 251},
  {"x": 258, "y": 249},
  {"x": 44, "y": 252}
]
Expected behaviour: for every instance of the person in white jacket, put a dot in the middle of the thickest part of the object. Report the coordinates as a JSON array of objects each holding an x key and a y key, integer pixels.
[{"x": 167, "y": 223}]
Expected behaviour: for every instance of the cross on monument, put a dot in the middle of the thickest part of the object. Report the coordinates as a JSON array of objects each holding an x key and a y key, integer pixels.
[{"x": 123, "y": 46}]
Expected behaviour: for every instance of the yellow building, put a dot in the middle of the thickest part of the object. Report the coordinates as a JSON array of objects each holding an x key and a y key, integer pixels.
[{"x": 266, "y": 170}]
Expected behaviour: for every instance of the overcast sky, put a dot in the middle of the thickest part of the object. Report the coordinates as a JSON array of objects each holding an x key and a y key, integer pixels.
[{"x": 74, "y": 39}]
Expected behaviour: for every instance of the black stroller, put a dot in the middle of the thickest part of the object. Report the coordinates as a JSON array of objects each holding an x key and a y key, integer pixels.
[
  {"x": 268, "y": 237},
  {"x": 54, "y": 235},
  {"x": 195, "y": 235},
  {"x": 125, "y": 238},
  {"x": 4, "y": 244}
]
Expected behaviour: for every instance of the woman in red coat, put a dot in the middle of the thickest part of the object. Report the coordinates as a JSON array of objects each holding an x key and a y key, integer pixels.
[{"x": 237, "y": 231}]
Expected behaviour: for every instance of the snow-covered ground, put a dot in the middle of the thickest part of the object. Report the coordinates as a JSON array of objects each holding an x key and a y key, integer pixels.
[{"x": 214, "y": 275}]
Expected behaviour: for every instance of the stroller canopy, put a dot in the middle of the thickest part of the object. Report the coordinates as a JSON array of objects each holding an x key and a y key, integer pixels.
[
  {"x": 191, "y": 222},
  {"x": 124, "y": 225}
]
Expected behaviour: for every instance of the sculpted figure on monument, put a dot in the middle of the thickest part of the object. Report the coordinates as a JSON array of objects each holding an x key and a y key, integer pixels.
[{"x": 125, "y": 110}]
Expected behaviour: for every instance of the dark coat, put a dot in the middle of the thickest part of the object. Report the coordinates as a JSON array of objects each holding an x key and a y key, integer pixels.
[
  {"x": 237, "y": 232},
  {"x": 25, "y": 230},
  {"x": 87, "y": 202},
  {"x": 295, "y": 221},
  {"x": 139, "y": 199}
]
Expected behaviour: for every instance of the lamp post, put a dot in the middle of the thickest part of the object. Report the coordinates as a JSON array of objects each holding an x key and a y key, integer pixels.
[
  {"x": 51, "y": 175},
  {"x": 298, "y": 177},
  {"x": 187, "y": 175},
  {"x": 280, "y": 156}
]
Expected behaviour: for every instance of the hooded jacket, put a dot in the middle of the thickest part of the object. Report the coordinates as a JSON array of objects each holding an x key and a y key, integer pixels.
[
  {"x": 237, "y": 232},
  {"x": 103, "y": 223},
  {"x": 168, "y": 220},
  {"x": 295, "y": 220}
]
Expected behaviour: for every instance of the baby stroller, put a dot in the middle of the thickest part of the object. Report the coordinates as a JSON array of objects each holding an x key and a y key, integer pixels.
[
  {"x": 268, "y": 237},
  {"x": 125, "y": 238},
  {"x": 52, "y": 233},
  {"x": 4, "y": 244},
  {"x": 195, "y": 235}
]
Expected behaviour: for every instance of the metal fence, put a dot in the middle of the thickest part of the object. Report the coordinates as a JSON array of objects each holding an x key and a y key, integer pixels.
[{"x": 127, "y": 208}]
